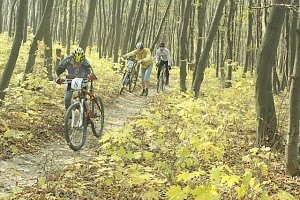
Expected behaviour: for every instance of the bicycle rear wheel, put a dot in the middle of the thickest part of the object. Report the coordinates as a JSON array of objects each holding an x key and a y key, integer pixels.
[
  {"x": 98, "y": 117},
  {"x": 132, "y": 82},
  {"x": 75, "y": 128}
]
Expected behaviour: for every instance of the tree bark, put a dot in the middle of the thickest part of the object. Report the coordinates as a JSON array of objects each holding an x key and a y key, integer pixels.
[
  {"x": 183, "y": 45},
  {"x": 160, "y": 26},
  {"x": 292, "y": 150},
  {"x": 70, "y": 26},
  {"x": 265, "y": 109},
  {"x": 13, "y": 56},
  {"x": 118, "y": 24},
  {"x": 48, "y": 60},
  {"x": 205, "y": 53},
  {"x": 88, "y": 25},
  {"x": 38, "y": 36},
  {"x": 128, "y": 27},
  {"x": 1, "y": 16},
  {"x": 249, "y": 39}
]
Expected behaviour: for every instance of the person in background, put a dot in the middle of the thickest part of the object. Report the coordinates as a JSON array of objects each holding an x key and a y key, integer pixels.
[
  {"x": 77, "y": 66},
  {"x": 163, "y": 59},
  {"x": 143, "y": 55}
]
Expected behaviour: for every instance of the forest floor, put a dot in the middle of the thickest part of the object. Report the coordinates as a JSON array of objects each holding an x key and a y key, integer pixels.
[
  {"x": 49, "y": 151},
  {"x": 26, "y": 161}
]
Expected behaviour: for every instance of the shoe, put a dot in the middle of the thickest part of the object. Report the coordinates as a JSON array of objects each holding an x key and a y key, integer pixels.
[
  {"x": 146, "y": 92},
  {"x": 143, "y": 92}
]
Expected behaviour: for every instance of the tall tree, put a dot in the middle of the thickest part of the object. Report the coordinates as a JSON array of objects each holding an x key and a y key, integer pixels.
[
  {"x": 88, "y": 25},
  {"x": 38, "y": 37},
  {"x": 48, "y": 60},
  {"x": 265, "y": 108},
  {"x": 205, "y": 53},
  {"x": 249, "y": 39},
  {"x": 128, "y": 27},
  {"x": 183, "y": 45},
  {"x": 137, "y": 23},
  {"x": 13, "y": 56},
  {"x": 292, "y": 149},
  {"x": 201, "y": 25},
  {"x": 161, "y": 25},
  {"x": 70, "y": 26},
  {"x": 118, "y": 24},
  {"x": 1, "y": 18}
]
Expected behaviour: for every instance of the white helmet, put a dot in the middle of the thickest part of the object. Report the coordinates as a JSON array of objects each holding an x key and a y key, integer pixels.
[{"x": 139, "y": 46}]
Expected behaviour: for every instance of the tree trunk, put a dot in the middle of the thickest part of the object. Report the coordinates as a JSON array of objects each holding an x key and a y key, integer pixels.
[
  {"x": 12, "y": 18},
  {"x": 48, "y": 60},
  {"x": 128, "y": 27},
  {"x": 249, "y": 39},
  {"x": 1, "y": 17},
  {"x": 292, "y": 43},
  {"x": 265, "y": 109},
  {"x": 13, "y": 56},
  {"x": 205, "y": 53},
  {"x": 230, "y": 30},
  {"x": 292, "y": 150},
  {"x": 201, "y": 26},
  {"x": 88, "y": 25},
  {"x": 70, "y": 26},
  {"x": 137, "y": 24},
  {"x": 183, "y": 45},
  {"x": 38, "y": 36},
  {"x": 160, "y": 26},
  {"x": 118, "y": 24}
]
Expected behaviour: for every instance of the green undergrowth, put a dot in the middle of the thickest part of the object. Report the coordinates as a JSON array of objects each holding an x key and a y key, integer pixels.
[{"x": 180, "y": 148}]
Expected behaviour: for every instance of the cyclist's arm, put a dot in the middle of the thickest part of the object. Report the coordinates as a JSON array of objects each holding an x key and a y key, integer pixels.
[
  {"x": 158, "y": 56},
  {"x": 62, "y": 66},
  {"x": 132, "y": 53},
  {"x": 169, "y": 57},
  {"x": 148, "y": 55}
]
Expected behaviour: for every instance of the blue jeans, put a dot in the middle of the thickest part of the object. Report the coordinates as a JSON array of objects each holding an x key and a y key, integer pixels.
[{"x": 145, "y": 72}]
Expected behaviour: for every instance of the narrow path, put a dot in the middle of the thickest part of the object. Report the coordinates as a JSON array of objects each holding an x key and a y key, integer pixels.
[{"x": 25, "y": 169}]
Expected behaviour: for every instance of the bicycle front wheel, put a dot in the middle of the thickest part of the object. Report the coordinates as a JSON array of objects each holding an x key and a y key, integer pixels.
[
  {"x": 75, "y": 128},
  {"x": 98, "y": 117},
  {"x": 159, "y": 83},
  {"x": 132, "y": 82},
  {"x": 124, "y": 82}
]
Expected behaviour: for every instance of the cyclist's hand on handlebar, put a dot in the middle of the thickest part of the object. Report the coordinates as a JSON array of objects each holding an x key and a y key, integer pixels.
[
  {"x": 140, "y": 62},
  {"x": 59, "y": 80},
  {"x": 92, "y": 77}
]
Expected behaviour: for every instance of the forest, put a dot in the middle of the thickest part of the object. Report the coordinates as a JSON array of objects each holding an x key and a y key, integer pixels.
[{"x": 225, "y": 127}]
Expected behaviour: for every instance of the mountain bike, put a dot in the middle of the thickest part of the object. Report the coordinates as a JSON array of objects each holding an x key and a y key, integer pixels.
[
  {"x": 162, "y": 79},
  {"x": 87, "y": 109},
  {"x": 130, "y": 76}
]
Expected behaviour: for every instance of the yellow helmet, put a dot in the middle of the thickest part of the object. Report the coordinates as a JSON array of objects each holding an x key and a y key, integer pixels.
[{"x": 78, "y": 55}]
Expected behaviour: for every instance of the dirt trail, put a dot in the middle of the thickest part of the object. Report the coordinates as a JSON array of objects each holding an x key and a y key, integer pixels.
[{"x": 25, "y": 169}]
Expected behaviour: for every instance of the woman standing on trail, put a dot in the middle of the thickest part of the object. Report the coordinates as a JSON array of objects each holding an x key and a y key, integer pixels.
[{"x": 145, "y": 60}]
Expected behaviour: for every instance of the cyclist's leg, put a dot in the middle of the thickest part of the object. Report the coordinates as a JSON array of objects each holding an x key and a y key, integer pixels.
[
  {"x": 167, "y": 72},
  {"x": 147, "y": 77},
  {"x": 159, "y": 69},
  {"x": 143, "y": 72}
]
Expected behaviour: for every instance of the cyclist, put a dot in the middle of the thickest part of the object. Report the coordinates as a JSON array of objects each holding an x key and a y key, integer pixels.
[
  {"x": 145, "y": 60},
  {"x": 77, "y": 66},
  {"x": 163, "y": 59}
]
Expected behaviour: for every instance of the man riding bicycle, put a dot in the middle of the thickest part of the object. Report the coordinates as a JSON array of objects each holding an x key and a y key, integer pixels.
[
  {"x": 163, "y": 59},
  {"x": 77, "y": 66}
]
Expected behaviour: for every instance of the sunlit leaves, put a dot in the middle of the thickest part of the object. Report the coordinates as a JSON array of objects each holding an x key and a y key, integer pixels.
[{"x": 175, "y": 192}]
